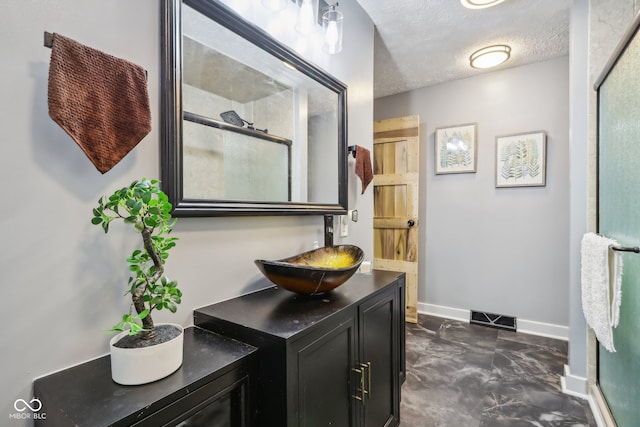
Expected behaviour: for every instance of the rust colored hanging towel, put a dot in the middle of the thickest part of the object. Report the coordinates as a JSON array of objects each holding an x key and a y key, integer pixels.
[
  {"x": 363, "y": 166},
  {"x": 101, "y": 101}
]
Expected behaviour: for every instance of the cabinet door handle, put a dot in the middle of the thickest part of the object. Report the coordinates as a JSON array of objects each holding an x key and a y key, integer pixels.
[
  {"x": 362, "y": 388},
  {"x": 367, "y": 367}
]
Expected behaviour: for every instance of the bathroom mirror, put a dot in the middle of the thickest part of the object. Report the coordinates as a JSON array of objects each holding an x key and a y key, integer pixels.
[{"x": 249, "y": 127}]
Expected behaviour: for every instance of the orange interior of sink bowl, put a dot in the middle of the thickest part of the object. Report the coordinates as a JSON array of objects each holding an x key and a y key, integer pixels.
[{"x": 314, "y": 272}]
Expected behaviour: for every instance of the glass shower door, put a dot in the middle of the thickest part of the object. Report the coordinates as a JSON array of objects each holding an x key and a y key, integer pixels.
[{"x": 619, "y": 218}]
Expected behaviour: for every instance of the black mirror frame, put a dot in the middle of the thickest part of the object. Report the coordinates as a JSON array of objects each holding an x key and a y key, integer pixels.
[{"x": 171, "y": 166}]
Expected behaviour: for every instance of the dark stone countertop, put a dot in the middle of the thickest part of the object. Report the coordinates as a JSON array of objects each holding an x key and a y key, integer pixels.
[
  {"x": 85, "y": 395},
  {"x": 283, "y": 314}
]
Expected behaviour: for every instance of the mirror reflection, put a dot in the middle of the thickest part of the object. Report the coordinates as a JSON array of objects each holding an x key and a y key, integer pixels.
[{"x": 260, "y": 125}]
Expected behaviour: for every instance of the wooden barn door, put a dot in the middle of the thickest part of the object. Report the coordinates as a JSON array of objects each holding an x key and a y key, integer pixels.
[{"x": 395, "y": 198}]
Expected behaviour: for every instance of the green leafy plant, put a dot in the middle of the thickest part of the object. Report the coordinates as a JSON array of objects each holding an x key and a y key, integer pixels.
[{"x": 147, "y": 209}]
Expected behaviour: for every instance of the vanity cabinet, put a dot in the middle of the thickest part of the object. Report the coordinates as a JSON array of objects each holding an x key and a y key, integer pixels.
[
  {"x": 334, "y": 359},
  {"x": 216, "y": 385}
]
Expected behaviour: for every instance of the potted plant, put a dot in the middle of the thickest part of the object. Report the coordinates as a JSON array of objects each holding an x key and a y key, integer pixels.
[{"x": 143, "y": 352}]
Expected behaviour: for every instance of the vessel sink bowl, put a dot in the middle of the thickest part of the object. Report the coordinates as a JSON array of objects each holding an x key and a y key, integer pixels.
[{"x": 314, "y": 272}]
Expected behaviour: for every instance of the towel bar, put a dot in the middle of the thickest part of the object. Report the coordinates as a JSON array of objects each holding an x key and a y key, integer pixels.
[
  {"x": 48, "y": 42},
  {"x": 625, "y": 248},
  {"x": 48, "y": 39}
]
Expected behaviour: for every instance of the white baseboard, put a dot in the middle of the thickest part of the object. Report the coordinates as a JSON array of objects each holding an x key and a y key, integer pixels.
[
  {"x": 524, "y": 326},
  {"x": 543, "y": 329},
  {"x": 442, "y": 311},
  {"x": 574, "y": 385}
]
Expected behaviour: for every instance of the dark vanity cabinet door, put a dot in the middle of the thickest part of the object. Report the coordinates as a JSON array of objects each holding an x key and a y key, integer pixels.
[
  {"x": 224, "y": 402},
  {"x": 378, "y": 320},
  {"x": 321, "y": 378},
  {"x": 348, "y": 375}
]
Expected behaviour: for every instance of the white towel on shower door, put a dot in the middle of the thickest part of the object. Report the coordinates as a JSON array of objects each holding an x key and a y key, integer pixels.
[{"x": 601, "y": 277}]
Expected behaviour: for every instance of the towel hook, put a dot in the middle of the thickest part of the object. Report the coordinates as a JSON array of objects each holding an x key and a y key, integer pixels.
[{"x": 351, "y": 149}]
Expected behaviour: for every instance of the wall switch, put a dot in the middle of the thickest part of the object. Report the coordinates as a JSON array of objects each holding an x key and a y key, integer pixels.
[{"x": 344, "y": 225}]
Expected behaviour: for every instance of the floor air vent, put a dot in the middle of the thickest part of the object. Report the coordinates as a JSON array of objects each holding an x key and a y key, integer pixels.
[{"x": 499, "y": 321}]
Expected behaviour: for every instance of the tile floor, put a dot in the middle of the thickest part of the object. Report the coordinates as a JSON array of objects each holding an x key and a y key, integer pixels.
[{"x": 463, "y": 375}]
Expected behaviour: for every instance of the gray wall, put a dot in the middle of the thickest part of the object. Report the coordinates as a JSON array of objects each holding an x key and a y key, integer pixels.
[
  {"x": 63, "y": 279},
  {"x": 502, "y": 250}
]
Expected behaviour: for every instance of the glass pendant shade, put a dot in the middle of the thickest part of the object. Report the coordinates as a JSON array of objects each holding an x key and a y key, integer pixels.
[
  {"x": 307, "y": 17},
  {"x": 275, "y": 5},
  {"x": 479, "y": 4},
  {"x": 490, "y": 56},
  {"x": 332, "y": 21}
]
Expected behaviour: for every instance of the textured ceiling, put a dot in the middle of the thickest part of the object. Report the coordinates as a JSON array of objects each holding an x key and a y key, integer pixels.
[{"x": 420, "y": 43}]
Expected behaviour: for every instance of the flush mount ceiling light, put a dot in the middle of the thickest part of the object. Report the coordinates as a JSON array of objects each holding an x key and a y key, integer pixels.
[
  {"x": 479, "y": 4},
  {"x": 490, "y": 56}
]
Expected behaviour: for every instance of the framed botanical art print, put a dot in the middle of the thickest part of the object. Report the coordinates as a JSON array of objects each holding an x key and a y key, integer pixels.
[
  {"x": 456, "y": 149},
  {"x": 521, "y": 160}
]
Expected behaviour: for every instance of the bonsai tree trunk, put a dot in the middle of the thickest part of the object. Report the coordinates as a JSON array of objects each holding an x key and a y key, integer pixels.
[
  {"x": 137, "y": 298},
  {"x": 147, "y": 323}
]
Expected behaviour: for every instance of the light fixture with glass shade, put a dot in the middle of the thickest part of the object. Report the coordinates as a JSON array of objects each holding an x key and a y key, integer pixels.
[
  {"x": 275, "y": 5},
  {"x": 490, "y": 56},
  {"x": 479, "y": 4},
  {"x": 332, "y": 21},
  {"x": 307, "y": 17}
]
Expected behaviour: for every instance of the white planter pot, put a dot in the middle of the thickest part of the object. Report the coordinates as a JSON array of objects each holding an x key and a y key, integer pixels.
[{"x": 134, "y": 366}]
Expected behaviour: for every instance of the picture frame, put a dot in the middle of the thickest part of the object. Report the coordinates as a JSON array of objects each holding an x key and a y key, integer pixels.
[
  {"x": 521, "y": 160},
  {"x": 456, "y": 149}
]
